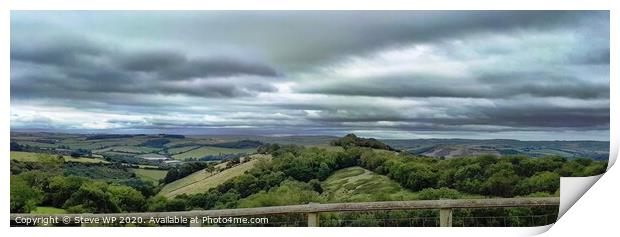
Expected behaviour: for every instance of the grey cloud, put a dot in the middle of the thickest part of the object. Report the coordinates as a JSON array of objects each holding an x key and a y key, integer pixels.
[
  {"x": 477, "y": 119},
  {"x": 55, "y": 51},
  {"x": 65, "y": 68},
  {"x": 549, "y": 73},
  {"x": 299, "y": 39},
  {"x": 501, "y": 85},
  {"x": 174, "y": 65}
]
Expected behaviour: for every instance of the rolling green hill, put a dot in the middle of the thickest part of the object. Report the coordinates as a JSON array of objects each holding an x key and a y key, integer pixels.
[
  {"x": 202, "y": 181},
  {"x": 210, "y": 150},
  {"x": 356, "y": 184}
]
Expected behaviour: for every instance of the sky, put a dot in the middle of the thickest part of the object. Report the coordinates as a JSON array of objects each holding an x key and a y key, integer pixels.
[{"x": 528, "y": 75}]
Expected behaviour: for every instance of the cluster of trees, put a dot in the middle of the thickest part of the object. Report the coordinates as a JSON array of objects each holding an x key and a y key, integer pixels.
[
  {"x": 77, "y": 187},
  {"x": 17, "y": 147},
  {"x": 155, "y": 143},
  {"x": 351, "y": 140},
  {"x": 109, "y": 136},
  {"x": 484, "y": 175},
  {"x": 73, "y": 193},
  {"x": 172, "y": 136},
  {"x": 239, "y": 144},
  {"x": 81, "y": 153},
  {"x": 129, "y": 159},
  {"x": 221, "y": 156},
  {"x": 185, "y": 169},
  {"x": 111, "y": 173}
]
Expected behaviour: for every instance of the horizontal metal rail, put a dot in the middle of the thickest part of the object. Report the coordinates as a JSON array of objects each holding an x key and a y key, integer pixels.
[{"x": 312, "y": 209}]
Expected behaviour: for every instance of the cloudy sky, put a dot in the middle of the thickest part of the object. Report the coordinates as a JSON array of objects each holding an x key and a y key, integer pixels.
[{"x": 410, "y": 74}]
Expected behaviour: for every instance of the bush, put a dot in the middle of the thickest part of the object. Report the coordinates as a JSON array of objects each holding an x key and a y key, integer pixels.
[
  {"x": 290, "y": 192},
  {"x": 502, "y": 183},
  {"x": 441, "y": 193},
  {"x": 24, "y": 198},
  {"x": 541, "y": 182}
]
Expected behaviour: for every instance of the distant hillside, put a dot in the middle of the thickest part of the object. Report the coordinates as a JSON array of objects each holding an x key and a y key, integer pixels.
[
  {"x": 452, "y": 148},
  {"x": 353, "y": 140}
]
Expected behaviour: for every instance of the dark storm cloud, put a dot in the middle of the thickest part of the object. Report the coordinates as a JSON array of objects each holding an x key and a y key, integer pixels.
[
  {"x": 301, "y": 38},
  {"x": 313, "y": 72},
  {"x": 58, "y": 51},
  {"x": 69, "y": 68},
  {"x": 495, "y": 85},
  {"x": 173, "y": 65},
  {"x": 524, "y": 117},
  {"x": 513, "y": 113}
]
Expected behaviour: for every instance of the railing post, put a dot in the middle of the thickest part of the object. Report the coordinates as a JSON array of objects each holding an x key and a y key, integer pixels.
[
  {"x": 313, "y": 219},
  {"x": 445, "y": 217}
]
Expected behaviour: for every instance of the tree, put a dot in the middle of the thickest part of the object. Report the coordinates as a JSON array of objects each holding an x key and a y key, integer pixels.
[
  {"x": 53, "y": 164},
  {"x": 92, "y": 197},
  {"x": 61, "y": 188},
  {"x": 81, "y": 153},
  {"x": 541, "y": 182},
  {"x": 528, "y": 167},
  {"x": 469, "y": 178},
  {"x": 419, "y": 177},
  {"x": 162, "y": 204},
  {"x": 24, "y": 198},
  {"x": 316, "y": 185},
  {"x": 501, "y": 184},
  {"x": 127, "y": 198}
]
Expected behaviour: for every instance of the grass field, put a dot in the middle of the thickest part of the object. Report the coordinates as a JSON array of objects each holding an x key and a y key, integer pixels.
[
  {"x": 128, "y": 149},
  {"x": 182, "y": 149},
  {"x": 38, "y": 144},
  {"x": 358, "y": 184},
  {"x": 202, "y": 181},
  {"x": 152, "y": 175},
  {"x": 48, "y": 210},
  {"x": 210, "y": 150},
  {"x": 34, "y": 157}
]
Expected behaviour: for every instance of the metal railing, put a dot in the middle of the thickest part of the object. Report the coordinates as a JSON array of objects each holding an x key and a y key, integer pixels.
[{"x": 312, "y": 210}]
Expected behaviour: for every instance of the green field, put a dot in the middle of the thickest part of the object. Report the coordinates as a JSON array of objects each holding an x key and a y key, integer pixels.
[
  {"x": 153, "y": 175},
  {"x": 128, "y": 149},
  {"x": 211, "y": 150},
  {"x": 38, "y": 144},
  {"x": 202, "y": 181},
  {"x": 34, "y": 157},
  {"x": 356, "y": 184},
  {"x": 182, "y": 149}
]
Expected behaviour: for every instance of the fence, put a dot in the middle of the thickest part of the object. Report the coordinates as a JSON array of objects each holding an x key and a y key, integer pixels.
[{"x": 312, "y": 210}]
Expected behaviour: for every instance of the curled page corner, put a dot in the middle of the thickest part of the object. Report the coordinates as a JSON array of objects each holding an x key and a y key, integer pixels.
[{"x": 573, "y": 188}]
